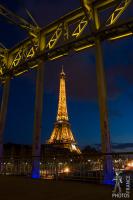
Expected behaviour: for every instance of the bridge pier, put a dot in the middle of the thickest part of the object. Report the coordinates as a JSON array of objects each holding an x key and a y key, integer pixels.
[
  {"x": 104, "y": 123},
  {"x": 36, "y": 147},
  {"x": 3, "y": 113},
  {"x": 102, "y": 97}
]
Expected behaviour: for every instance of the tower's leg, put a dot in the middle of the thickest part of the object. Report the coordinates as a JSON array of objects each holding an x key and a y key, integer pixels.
[
  {"x": 105, "y": 135},
  {"x": 38, "y": 121},
  {"x": 3, "y": 113}
]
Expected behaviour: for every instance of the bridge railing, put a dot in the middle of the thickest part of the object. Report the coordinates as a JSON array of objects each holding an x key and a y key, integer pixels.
[{"x": 88, "y": 169}]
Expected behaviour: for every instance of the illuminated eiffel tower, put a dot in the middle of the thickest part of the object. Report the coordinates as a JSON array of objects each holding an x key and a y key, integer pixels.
[{"x": 62, "y": 135}]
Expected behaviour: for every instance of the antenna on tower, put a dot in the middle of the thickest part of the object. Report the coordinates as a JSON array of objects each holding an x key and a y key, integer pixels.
[
  {"x": 62, "y": 71},
  {"x": 62, "y": 68}
]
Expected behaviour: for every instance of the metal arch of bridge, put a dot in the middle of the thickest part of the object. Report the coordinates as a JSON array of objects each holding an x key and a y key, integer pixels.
[
  {"x": 74, "y": 31},
  {"x": 70, "y": 32}
]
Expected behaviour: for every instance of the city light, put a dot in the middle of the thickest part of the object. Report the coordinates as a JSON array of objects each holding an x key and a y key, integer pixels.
[
  {"x": 66, "y": 170},
  {"x": 130, "y": 164}
]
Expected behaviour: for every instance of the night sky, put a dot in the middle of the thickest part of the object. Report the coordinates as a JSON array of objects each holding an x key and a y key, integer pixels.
[{"x": 81, "y": 83}]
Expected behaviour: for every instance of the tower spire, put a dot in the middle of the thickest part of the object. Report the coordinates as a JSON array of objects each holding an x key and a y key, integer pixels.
[
  {"x": 62, "y": 105},
  {"x": 62, "y": 72}
]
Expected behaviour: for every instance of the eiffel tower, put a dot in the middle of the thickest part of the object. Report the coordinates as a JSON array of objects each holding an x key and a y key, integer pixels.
[{"x": 62, "y": 135}]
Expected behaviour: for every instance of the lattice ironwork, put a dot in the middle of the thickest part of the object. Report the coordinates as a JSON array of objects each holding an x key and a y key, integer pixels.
[{"x": 70, "y": 32}]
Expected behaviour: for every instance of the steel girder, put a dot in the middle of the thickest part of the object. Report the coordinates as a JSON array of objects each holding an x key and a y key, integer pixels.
[{"x": 74, "y": 31}]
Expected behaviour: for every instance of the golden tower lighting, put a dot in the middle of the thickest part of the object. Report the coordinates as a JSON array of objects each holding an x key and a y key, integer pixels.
[{"x": 62, "y": 135}]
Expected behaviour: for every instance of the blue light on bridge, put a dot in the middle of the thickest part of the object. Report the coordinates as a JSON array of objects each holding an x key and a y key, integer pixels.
[{"x": 35, "y": 174}]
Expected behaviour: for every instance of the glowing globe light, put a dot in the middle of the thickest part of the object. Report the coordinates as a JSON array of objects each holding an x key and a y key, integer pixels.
[{"x": 66, "y": 170}]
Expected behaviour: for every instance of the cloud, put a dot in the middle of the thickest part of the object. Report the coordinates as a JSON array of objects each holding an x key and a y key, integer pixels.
[
  {"x": 81, "y": 81},
  {"x": 124, "y": 147},
  {"x": 119, "y": 78},
  {"x": 80, "y": 78}
]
